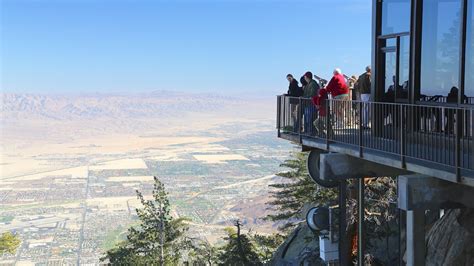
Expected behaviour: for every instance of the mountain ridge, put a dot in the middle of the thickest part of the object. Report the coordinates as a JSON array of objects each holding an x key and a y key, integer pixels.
[{"x": 139, "y": 105}]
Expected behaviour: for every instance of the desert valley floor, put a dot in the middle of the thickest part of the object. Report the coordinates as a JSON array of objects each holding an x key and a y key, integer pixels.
[{"x": 67, "y": 186}]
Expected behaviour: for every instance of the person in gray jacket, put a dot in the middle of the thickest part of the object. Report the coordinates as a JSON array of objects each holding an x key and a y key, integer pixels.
[
  {"x": 312, "y": 89},
  {"x": 310, "y": 111}
]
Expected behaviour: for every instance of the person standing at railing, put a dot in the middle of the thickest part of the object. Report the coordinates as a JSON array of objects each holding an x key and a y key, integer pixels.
[
  {"x": 339, "y": 90},
  {"x": 320, "y": 101},
  {"x": 312, "y": 89},
  {"x": 450, "y": 114},
  {"x": 310, "y": 112},
  {"x": 294, "y": 91},
  {"x": 303, "y": 86},
  {"x": 363, "y": 86},
  {"x": 354, "y": 96},
  {"x": 303, "y": 82}
]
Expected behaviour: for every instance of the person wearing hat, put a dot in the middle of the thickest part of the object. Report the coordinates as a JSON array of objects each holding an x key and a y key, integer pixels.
[{"x": 310, "y": 111}]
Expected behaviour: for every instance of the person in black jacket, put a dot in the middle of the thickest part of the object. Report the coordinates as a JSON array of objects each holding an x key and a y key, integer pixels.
[{"x": 294, "y": 91}]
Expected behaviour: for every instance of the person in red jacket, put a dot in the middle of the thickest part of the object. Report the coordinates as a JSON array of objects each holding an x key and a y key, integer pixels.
[
  {"x": 339, "y": 91},
  {"x": 320, "y": 101},
  {"x": 338, "y": 86}
]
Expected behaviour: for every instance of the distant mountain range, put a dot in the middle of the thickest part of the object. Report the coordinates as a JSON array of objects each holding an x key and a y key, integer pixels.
[{"x": 91, "y": 106}]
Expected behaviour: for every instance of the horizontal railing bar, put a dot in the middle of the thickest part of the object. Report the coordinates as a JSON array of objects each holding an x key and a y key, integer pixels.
[{"x": 417, "y": 104}]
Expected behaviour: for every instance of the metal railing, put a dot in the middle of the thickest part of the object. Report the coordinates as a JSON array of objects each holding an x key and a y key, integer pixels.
[
  {"x": 444, "y": 99},
  {"x": 442, "y": 135}
]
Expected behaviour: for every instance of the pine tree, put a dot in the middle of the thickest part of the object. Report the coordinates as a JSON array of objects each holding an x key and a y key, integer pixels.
[
  {"x": 381, "y": 218},
  {"x": 9, "y": 243},
  {"x": 202, "y": 253},
  {"x": 297, "y": 189},
  {"x": 158, "y": 239},
  {"x": 267, "y": 245},
  {"x": 239, "y": 249}
]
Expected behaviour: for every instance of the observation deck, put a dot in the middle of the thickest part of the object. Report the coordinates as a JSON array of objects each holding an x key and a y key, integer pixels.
[{"x": 431, "y": 140}]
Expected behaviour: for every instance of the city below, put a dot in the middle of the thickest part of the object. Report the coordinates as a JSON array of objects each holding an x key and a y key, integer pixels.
[{"x": 82, "y": 201}]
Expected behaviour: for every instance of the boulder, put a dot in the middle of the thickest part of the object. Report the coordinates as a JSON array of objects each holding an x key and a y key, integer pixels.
[
  {"x": 451, "y": 239},
  {"x": 300, "y": 248}
]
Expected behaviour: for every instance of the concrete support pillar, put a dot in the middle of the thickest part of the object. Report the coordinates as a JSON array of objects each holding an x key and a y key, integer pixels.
[
  {"x": 429, "y": 193},
  {"x": 416, "y": 247},
  {"x": 419, "y": 193},
  {"x": 402, "y": 245}
]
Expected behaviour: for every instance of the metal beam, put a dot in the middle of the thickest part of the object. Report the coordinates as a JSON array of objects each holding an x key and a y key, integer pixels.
[
  {"x": 462, "y": 75},
  {"x": 462, "y": 50},
  {"x": 386, "y": 159},
  {"x": 430, "y": 193},
  {"x": 376, "y": 30},
  {"x": 333, "y": 166},
  {"x": 415, "y": 50}
]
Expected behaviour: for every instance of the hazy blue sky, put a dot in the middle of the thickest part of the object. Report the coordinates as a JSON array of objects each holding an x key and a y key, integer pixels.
[{"x": 223, "y": 46}]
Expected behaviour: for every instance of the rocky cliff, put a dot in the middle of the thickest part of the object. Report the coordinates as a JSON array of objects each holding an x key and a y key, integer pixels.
[{"x": 451, "y": 239}]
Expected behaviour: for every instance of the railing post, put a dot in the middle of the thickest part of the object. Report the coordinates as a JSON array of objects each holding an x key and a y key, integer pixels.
[
  {"x": 361, "y": 129},
  {"x": 328, "y": 123},
  {"x": 402, "y": 137},
  {"x": 284, "y": 112},
  {"x": 299, "y": 118},
  {"x": 457, "y": 155},
  {"x": 278, "y": 122}
]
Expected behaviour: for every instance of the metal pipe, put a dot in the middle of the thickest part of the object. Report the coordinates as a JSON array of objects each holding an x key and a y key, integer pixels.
[
  {"x": 402, "y": 139},
  {"x": 361, "y": 129},
  {"x": 328, "y": 122},
  {"x": 361, "y": 222},
  {"x": 457, "y": 155},
  {"x": 300, "y": 114},
  {"x": 279, "y": 115},
  {"x": 343, "y": 247}
]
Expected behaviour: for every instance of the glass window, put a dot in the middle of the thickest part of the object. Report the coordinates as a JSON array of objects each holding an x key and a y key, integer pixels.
[
  {"x": 395, "y": 16},
  {"x": 469, "y": 79},
  {"x": 440, "y": 47},
  {"x": 392, "y": 42},
  {"x": 396, "y": 91},
  {"x": 404, "y": 67},
  {"x": 390, "y": 72}
]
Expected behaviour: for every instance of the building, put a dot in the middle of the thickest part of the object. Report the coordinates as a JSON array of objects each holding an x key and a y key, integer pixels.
[{"x": 419, "y": 124}]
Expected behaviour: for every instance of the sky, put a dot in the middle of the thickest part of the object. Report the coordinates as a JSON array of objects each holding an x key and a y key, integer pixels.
[{"x": 228, "y": 46}]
